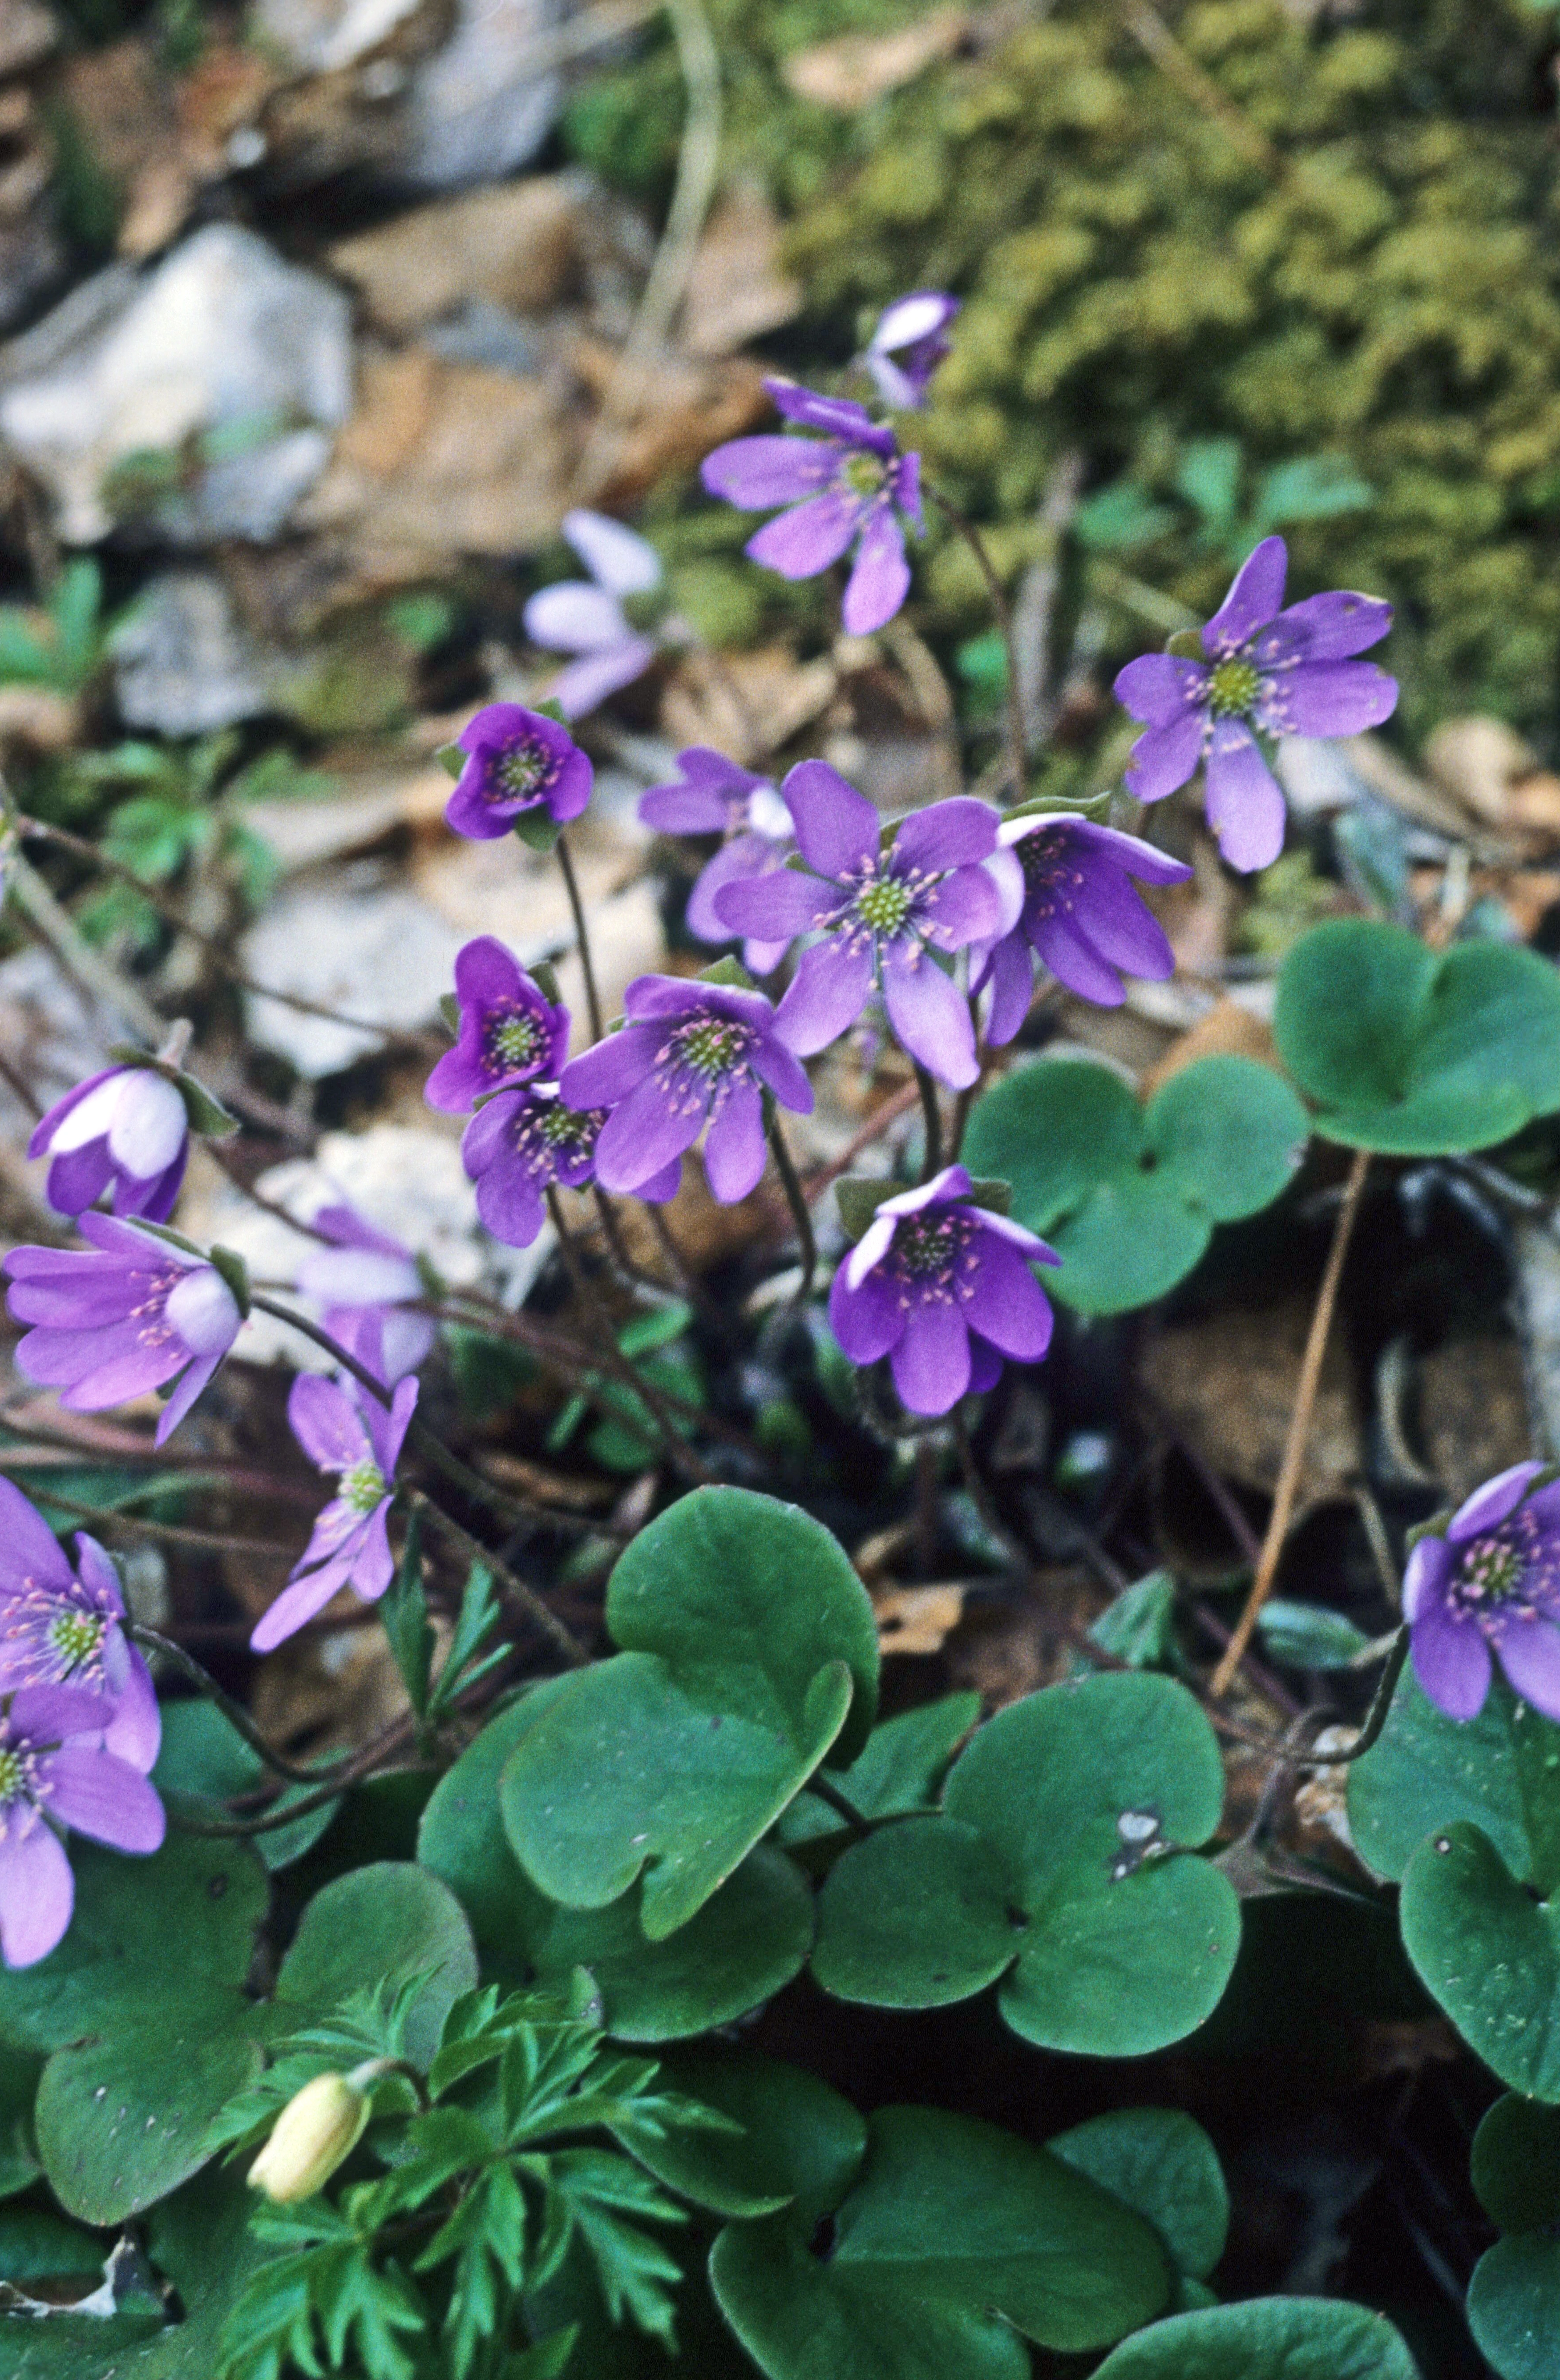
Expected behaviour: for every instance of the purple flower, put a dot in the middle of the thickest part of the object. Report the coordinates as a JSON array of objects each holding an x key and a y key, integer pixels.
[
  {"x": 54, "y": 1765},
  {"x": 579, "y": 618},
  {"x": 1080, "y": 917},
  {"x": 355, "y": 1436},
  {"x": 908, "y": 344},
  {"x": 136, "y": 1313},
  {"x": 714, "y": 797},
  {"x": 848, "y": 487},
  {"x": 65, "y": 1627},
  {"x": 361, "y": 1281},
  {"x": 1284, "y": 672},
  {"x": 690, "y": 1053},
  {"x": 943, "y": 1290},
  {"x": 516, "y": 1147},
  {"x": 881, "y": 915},
  {"x": 127, "y": 1126},
  {"x": 509, "y": 1031},
  {"x": 1490, "y": 1584},
  {"x": 518, "y": 761}
]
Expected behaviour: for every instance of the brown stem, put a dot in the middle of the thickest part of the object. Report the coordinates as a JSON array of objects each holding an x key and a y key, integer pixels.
[
  {"x": 678, "y": 1452},
  {"x": 797, "y": 1205},
  {"x": 581, "y": 937},
  {"x": 932, "y": 1156},
  {"x": 1003, "y": 610},
  {"x": 1299, "y": 1428},
  {"x": 561, "y": 1638}
]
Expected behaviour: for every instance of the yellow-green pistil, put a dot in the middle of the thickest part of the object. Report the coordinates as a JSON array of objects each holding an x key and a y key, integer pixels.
[
  {"x": 524, "y": 769},
  {"x": 77, "y": 1636},
  {"x": 363, "y": 1487},
  {"x": 13, "y": 1776},
  {"x": 711, "y": 1046},
  {"x": 1233, "y": 687},
  {"x": 863, "y": 474},
  {"x": 515, "y": 1040},
  {"x": 884, "y": 904}
]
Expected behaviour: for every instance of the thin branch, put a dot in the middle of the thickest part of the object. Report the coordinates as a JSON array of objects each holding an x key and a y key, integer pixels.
[
  {"x": 966, "y": 528},
  {"x": 233, "y": 1712},
  {"x": 562, "y": 1639},
  {"x": 932, "y": 1113},
  {"x": 678, "y": 1451},
  {"x": 162, "y": 1531},
  {"x": 76, "y": 954},
  {"x": 797, "y": 1205},
  {"x": 1153, "y": 35},
  {"x": 581, "y": 936},
  {"x": 878, "y": 1123}
]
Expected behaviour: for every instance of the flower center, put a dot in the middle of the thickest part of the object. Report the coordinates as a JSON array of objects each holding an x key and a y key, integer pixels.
[
  {"x": 13, "y": 1776},
  {"x": 515, "y": 1040},
  {"x": 927, "y": 1246},
  {"x": 571, "y": 1131},
  {"x": 863, "y": 473},
  {"x": 363, "y": 1487},
  {"x": 524, "y": 769},
  {"x": 77, "y": 1636},
  {"x": 711, "y": 1046},
  {"x": 1233, "y": 687},
  {"x": 1491, "y": 1576},
  {"x": 884, "y": 904}
]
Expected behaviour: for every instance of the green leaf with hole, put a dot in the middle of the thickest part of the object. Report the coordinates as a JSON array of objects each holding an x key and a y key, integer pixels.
[
  {"x": 1427, "y": 1770},
  {"x": 1128, "y": 1195},
  {"x": 1513, "y": 2306},
  {"x": 1266, "y": 2339},
  {"x": 1489, "y": 1953},
  {"x": 1060, "y": 1867},
  {"x": 1414, "y": 1053},
  {"x": 746, "y": 1942},
  {"x": 1161, "y": 2162},
  {"x": 749, "y": 1654},
  {"x": 954, "y": 2237}
]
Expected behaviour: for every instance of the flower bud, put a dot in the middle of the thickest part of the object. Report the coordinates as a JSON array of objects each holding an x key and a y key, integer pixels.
[{"x": 319, "y": 2128}]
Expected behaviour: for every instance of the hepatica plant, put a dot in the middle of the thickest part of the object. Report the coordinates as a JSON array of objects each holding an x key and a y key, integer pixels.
[{"x": 437, "y": 2040}]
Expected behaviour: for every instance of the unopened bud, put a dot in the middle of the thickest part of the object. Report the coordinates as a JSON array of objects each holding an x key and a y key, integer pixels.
[{"x": 320, "y": 2127}]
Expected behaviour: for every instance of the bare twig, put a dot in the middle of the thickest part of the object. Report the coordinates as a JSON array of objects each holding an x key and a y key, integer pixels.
[
  {"x": 76, "y": 954},
  {"x": 581, "y": 936},
  {"x": 678, "y": 1450},
  {"x": 797, "y": 1205},
  {"x": 880, "y": 1120}
]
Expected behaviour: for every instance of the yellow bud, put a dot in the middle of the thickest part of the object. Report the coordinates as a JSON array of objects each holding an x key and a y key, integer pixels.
[{"x": 320, "y": 2125}]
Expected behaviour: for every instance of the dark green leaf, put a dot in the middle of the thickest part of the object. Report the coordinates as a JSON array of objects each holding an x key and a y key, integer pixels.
[
  {"x": 799, "y": 2139},
  {"x": 1267, "y": 2339},
  {"x": 1427, "y": 1770},
  {"x": 1489, "y": 1953},
  {"x": 1161, "y": 2163},
  {"x": 1513, "y": 2306},
  {"x": 380, "y": 1924},
  {"x": 900, "y": 1771},
  {"x": 1515, "y": 2165}
]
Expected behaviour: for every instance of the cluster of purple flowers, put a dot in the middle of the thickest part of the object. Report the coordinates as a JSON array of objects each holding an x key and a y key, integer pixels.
[{"x": 1485, "y": 1589}]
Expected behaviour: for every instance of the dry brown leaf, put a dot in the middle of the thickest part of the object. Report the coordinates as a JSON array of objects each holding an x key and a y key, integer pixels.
[
  {"x": 125, "y": 109},
  {"x": 750, "y": 704},
  {"x": 851, "y": 71},
  {"x": 917, "y": 1619},
  {"x": 1228, "y": 1382},
  {"x": 515, "y": 245},
  {"x": 737, "y": 289},
  {"x": 674, "y": 410}
]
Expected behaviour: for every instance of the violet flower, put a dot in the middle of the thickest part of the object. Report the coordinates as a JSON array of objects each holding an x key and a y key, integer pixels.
[
  {"x": 714, "y": 797},
  {"x": 849, "y": 487},
  {"x": 135, "y": 1314},
  {"x": 1491, "y": 1584},
  {"x": 65, "y": 1627},
  {"x": 943, "y": 1289},
  {"x": 510, "y": 1031},
  {"x": 54, "y": 1765},
  {"x": 881, "y": 915},
  {"x": 342, "y": 1430},
  {"x": 1287, "y": 673},
  {"x": 908, "y": 344},
  {"x": 1080, "y": 917},
  {"x": 517, "y": 1146},
  {"x": 360, "y": 1282},
  {"x": 690, "y": 1053},
  {"x": 518, "y": 762},
  {"x": 127, "y": 1126},
  {"x": 586, "y": 618}
]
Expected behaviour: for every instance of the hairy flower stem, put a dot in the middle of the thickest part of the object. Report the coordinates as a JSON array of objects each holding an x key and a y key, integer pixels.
[
  {"x": 561, "y": 1638},
  {"x": 797, "y": 1205},
  {"x": 1299, "y": 1428},
  {"x": 678, "y": 1452},
  {"x": 932, "y": 1160},
  {"x": 581, "y": 936},
  {"x": 826, "y": 1791},
  {"x": 1018, "y": 739},
  {"x": 234, "y": 1712},
  {"x": 1375, "y": 1717}
]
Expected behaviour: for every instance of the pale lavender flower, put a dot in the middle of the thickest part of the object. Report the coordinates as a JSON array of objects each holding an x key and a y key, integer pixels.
[
  {"x": 1282, "y": 673},
  {"x": 127, "y": 1126},
  {"x": 587, "y": 618},
  {"x": 362, "y": 1282},
  {"x": 1489, "y": 1585},
  {"x": 517, "y": 1146},
  {"x": 714, "y": 797},
  {"x": 65, "y": 1627},
  {"x": 1080, "y": 917},
  {"x": 342, "y": 1430},
  {"x": 55, "y": 1766},
  {"x": 943, "y": 1289},
  {"x": 910, "y": 343},
  {"x": 942, "y": 884},
  {"x": 690, "y": 1053},
  {"x": 519, "y": 763},
  {"x": 851, "y": 486},
  {"x": 135, "y": 1314},
  {"x": 511, "y": 1032}
]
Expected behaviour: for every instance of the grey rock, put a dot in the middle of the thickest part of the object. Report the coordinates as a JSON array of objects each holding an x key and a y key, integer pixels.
[{"x": 184, "y": 665}]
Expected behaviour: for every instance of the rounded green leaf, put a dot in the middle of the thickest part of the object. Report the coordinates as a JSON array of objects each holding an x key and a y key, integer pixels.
[
  {"x": 380, "y": 1924},
  {"x": 953, "y": 2232},
  {"x": 203, "y": 1757},
  {"x": 1489, "y": 1953},
  {"x": 1513, "y": 2306},
  {"x": 1267, "y": 2339},
  {"x": 1516, "y": 2164},
  {"x": 898, "y": 1771},
  {"x": 1161, "y": 2162},
  {"x": 800, "y": 2143},
  {"x": 749, "y": 1651},
  {"x": 122, "y": 2122},
  {"x": 1413, "y": 1053},
  {"x": 916, "y": 1916},
  {"x": 18, "y": 2088},
  {"x": 1130, "y": 1195},
  {"x": 1427, "y": 1770}
]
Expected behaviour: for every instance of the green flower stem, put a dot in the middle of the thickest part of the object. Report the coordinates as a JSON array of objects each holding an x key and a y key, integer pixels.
[
  {"x": 1017, "y": 736},
  {"x": 827, "y": 1791},
  {"x": 1375, "y": 1717},
  {"x": 233, "y": 1712},
  {"x": 797, "y": 1205},
  {"x": 932, "y": 1162},
  {"x": 581, "y": 936},
  {"x": 678, "y": 1452}
]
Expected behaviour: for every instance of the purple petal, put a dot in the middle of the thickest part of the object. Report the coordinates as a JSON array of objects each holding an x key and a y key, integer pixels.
[
  {"x": 618, "y": 557},
  {"x": 1331, "y": 698},
  {"x": 97, "y": 1573},
  {"x": 931, "y": 1363},
  {"x": 37, "y": 1892},
  {"x": 135, "y": 1731},
  {"x": 203, "y": 1309},
  {"x": 1332, "y": 628},
  {"x": 1157, "y": 688},
  {"x": 642, "y": 1135},
  {"x": 572, "y": 617},
  {"x": 388, "y": 1428},
  {"x": 150, "y": 1125},
  {"x": 586, "y": 683},
  {"x": 1490, "y": 1505},
  {"x": 297, "y": 1604},
  {"x": 838, "y": 417},
  {"x": 44, "y": 1714},
  {"x": 867, "y": 1320},
  {"x": 1009, "y": 978},
  {"x": 880, "y": 578},
  {"x": 1254, "y": 597},
  {"x": 745, "y": 857},
  {"x": 326, "y": 1422},
  {"x": 195, "y": 1380},
  {"x": 801, "y": 543},
  {"x": 600, "y": 1077},
  {"x": 30, "y": 1552},
  {"x": 948, "y": 834},
  {"x": 930, "y": 1017},
  {"x": 1128, "y": 852},
  {"x": 778, "y": 905},
  {"x": 1005, "y": 1303},
  {"x": 773, "y": 1065},
  {"x": 104, "y": 1798},
  {"x": 837, "y": 826},
  {"x": 1528, "y": 1651},
  {"x": 832, "y": 985},
  {"x": 154, "y": 1201},
  {"x": 344, "y": 1228},
  {"x": 487, "y": 974},
  {"x": 1109, "y": 915},
  {"x": 78, "y": 1179},
  {"x": 919, "y": 315},
  {"x": 1066, "y": 950},
  {"x": 1245, "y": 807},
  {"x": 754, "y": 473},
  {"x": 967, "y": 906},
  {"x": 986, "y": 1365},
  {"x": 1164, "y": 758},
  {"x": 374, "y": 1566},
  {"x": 43, "y": 1131},
  {"x": 733, "y": 1151},
  {"x": 1451, "y": 1662},
  {"x": 389, "y": 1341},
  {"x": 509, "y": 1203},
  {"x": 662, "y": 1185}
]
